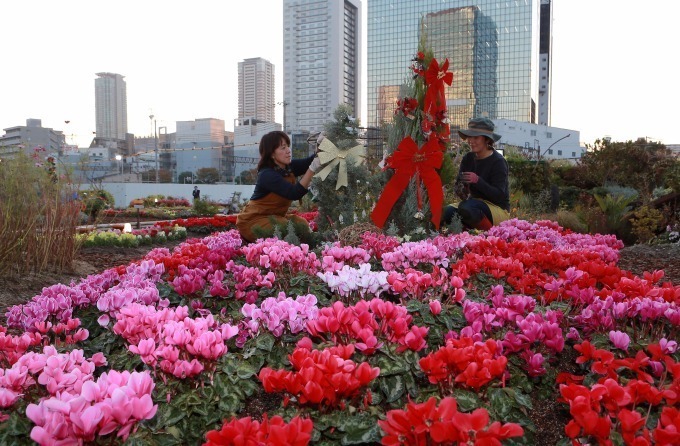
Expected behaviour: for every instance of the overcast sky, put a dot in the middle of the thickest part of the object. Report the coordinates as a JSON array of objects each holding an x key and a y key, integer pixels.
[{"x": 613, "y": 62}]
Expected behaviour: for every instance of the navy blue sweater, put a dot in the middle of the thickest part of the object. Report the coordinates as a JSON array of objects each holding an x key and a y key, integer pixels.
[
  {"x": 273, "y": 180},
  {"x": 493, "y": 178}
]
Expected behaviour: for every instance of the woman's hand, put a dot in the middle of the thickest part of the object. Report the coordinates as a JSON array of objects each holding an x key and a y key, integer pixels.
[
  {"x": 319, "y": 140},
  {"x": 316, "y": 164},
  {"x": 461, "y": 190},
  {"x": 469, "y": 177}
]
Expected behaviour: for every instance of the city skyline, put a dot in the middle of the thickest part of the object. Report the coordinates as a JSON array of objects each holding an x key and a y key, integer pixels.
[{"x": 611, "y": 72}]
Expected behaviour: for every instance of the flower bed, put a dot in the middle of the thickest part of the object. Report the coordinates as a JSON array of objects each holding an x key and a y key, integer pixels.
[
  {"x": 147, "y": 236},
  {"x": 441, "y": 341},
  {"x": 206, "y": 225}
]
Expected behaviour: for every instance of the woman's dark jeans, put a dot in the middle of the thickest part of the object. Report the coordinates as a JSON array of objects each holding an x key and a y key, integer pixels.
[{"x": 471, "y": 212}]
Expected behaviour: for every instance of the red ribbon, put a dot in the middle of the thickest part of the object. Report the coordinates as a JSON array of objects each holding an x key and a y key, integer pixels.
[
  {"x": 408, "y": 160},
  {"x": 435, "y": 97}
]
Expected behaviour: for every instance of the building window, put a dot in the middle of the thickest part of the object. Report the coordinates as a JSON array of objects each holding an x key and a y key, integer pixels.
[
  {"x": 550, "y": 151},
  {"x": 533, "y": 133},
  {"x": 548, "y": 134},
  {"x": 559, "y": 152},
  {"x": 573, "y": 154}
]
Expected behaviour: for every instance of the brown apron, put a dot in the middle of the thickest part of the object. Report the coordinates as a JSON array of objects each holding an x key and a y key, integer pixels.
[{"x": 260, "y": 213}]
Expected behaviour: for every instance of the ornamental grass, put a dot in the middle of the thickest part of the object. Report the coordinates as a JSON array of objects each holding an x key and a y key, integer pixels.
[{"x": 38, "y": 216}]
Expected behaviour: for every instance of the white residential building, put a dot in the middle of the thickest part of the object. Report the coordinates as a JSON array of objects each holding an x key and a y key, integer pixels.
[
  {"x": 322, "y": 61},
  {"x": 540, "y": 141},
  {"x": 256, "y": 89}
]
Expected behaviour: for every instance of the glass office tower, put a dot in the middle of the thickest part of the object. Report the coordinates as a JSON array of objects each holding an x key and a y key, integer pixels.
[{"x": 492, "y": 47}]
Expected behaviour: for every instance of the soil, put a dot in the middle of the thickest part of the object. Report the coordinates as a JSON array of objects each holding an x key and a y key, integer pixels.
[
  {"x": 549, "y": 417},
  {"x": 92, "y": 260}
]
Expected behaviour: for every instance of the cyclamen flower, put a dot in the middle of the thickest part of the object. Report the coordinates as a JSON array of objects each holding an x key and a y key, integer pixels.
[
  {"x": 668, "y": 347},
  {"x": 279, "y": 313},
  {"x": 620, "y": 339},
  {"x": 435, "y": 307},
  {"x": 362, "y": 280}
]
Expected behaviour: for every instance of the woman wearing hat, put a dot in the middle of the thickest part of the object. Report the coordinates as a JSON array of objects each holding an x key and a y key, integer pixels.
[
  {"x": 277, "y": 186},
  {"x": 482, "y": 181}
]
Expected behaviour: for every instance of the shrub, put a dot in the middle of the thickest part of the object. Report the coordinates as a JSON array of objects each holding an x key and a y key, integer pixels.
[
  {"x": 530, "y": 177},
  {"x": 204, "y": 206},
  {"x": 95, "y": 201},
  {"x": 646, "y": 222},
  {"x": 39, "y": 212},
  {"x": 570, "y": 220},
  {"x": 570, "y": 196},
  {"x": 614, "y": 207}
]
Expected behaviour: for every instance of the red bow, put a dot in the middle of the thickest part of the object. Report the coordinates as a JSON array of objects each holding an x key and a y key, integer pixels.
[
  {"x": 435, "y": 98},
  {"x": 408, "y": 160}
]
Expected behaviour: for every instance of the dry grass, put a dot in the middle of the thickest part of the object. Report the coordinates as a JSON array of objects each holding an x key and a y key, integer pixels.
[{"x": 38, "y": 218}]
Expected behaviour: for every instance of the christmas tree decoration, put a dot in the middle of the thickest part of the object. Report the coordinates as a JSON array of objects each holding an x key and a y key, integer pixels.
[
  {"x": 408, "y": 161},
  {"x": 330, "y": 156},
  {"x": 421, "y": 119}
]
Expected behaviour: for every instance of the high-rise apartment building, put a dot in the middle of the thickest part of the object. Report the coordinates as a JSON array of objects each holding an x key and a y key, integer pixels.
[
  {"x": 492, "y": 47},
  {"x": 322, "y": 61},
  {"x": 256, "y": 89},
  {"x": 111, "y": 106}
]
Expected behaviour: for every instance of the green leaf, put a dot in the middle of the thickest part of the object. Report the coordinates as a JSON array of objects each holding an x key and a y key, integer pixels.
[
  {"x": 415, "y": 306},
  {"x": 369, "y": 435},
  {"x": 172, "y": 430},
  {"x": 245, "y": 370},
  {"x": 229, "y": 403},
  {"x": 522, "y": 399},
  {"x": 501, "y": 402},
  {"x": 171, "y": 415},
  {"x": 393, "y": 388},
  {"x": 391, "y": 366},
  {"x": 265, "y": 341},
  {"x": 466, "y": 400}
]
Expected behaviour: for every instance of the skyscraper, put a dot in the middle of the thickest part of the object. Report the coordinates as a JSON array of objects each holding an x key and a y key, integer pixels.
[
  {"x": 256, "y": 89},
  {"x": 111, "y": 106},
  {"x": 322, "y": 54},
  {"x": 492, "y": 47}
]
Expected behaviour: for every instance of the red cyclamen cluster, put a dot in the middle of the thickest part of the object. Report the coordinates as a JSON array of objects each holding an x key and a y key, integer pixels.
[{"x": 324, "y": 378}]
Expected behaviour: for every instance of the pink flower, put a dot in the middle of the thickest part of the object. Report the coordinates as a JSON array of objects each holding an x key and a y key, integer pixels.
[
  {"x": 435, "y": 307},
  {"x": 620, "y": 339},
  {"x": 668, "y": 347}
]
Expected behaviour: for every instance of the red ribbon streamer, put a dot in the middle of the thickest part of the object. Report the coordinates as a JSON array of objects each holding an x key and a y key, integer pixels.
[
  {"x": 408, "y": 160},
  {"x": 435, "y": 97}
]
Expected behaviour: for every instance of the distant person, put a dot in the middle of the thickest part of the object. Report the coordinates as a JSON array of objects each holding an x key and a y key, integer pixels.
[
  {"x": 277, "y": 186},
  {"x": 196, "y": 193},
  {"x": 482, "y": 181}
]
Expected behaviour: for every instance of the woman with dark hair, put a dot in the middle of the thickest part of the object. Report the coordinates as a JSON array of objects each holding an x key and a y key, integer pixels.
[
  {"x": 277, "y": 186},
  {"x": 482, "y": 181}
]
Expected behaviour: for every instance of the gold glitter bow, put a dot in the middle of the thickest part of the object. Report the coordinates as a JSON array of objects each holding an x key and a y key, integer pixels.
[{"x": 334, "y": 156}]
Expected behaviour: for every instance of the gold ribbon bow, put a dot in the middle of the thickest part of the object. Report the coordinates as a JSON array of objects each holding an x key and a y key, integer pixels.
[{"x": 334, "y": 156}]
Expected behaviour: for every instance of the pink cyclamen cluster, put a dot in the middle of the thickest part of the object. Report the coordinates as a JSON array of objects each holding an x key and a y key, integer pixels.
[
  {"x": 78, "y": 408},
  {"x": 278, "y": 255},
  {"x": 281, "y": 312},
  {"x": 170, "y": 339}
]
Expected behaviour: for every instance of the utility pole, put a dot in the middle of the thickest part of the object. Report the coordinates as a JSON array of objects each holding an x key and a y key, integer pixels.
[{"x": 155, "y": 143}]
